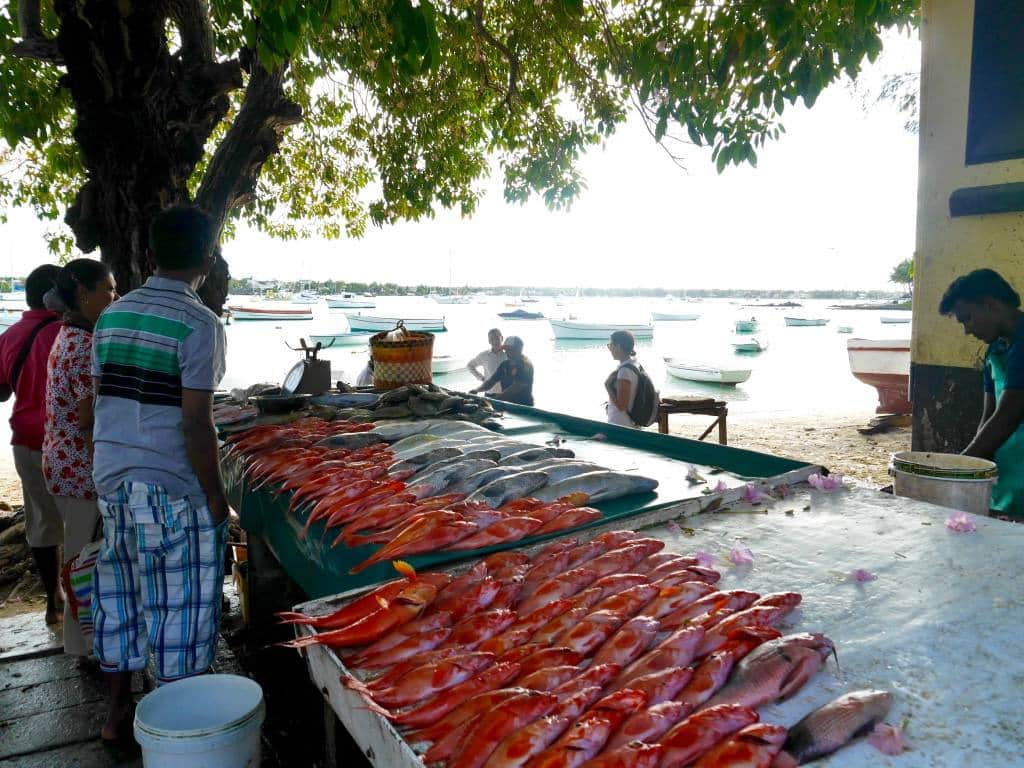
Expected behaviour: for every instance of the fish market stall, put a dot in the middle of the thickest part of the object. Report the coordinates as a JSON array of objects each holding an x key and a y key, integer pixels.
[
  {"x": 919, "y": 603},
  {"x": 660, "y": 472}
]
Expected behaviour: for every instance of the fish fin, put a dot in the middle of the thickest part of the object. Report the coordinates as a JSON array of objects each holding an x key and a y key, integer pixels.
[
  {"x": 404, "y": 568},
  {"x": 382, "y": 602},
  {"x": 865, "y": 729},
  {"x": 798, "y": 676}
]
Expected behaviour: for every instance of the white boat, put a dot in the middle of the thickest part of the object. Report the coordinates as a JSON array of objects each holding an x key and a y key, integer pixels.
[
  {"x": 885, "y": 365},
  {"x": 276, "y": 314},
  {"x": 805, "y": 321},
  {"x": 447, "y": 364},
  {"x": 709, "y": 374},
  {"x": 575, "y": 329},
  {"x": 746, "y": 326},
  {"x": 350, "y": 301},
  {"x": 449, "y": 299},
  {"x": 668, "y": 317},
  {"x": 357, "y": 322},
  {"x": 342, "y": 339},
  {"x": 306, "y": 297},
  {"x": 896, "y": 319},
  {"x": 753, "y": 345},
  {"x": 844, "y": 329}
]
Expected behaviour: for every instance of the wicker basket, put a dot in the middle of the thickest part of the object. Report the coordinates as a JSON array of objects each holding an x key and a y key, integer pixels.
[{"x": 397, "y": 363}]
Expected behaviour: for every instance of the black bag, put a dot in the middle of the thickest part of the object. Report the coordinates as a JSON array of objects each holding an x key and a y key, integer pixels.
[
  {"x": 644, "y": 410},
  {"x": 7, "y": 390}
]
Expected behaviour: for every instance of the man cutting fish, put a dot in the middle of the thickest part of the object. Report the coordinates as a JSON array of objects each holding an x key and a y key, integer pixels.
[{"x": 989, "y": 309}]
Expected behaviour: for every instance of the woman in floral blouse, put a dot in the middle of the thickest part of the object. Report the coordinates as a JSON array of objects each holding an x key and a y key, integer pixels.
[{"x": 87, "y": 288}]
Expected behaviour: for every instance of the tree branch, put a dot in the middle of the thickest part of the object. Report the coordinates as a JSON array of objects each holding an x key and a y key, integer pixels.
[
  {"x": 513, "y": 59},
  {"x": 34, "y": 44},
  {"x": 231, "y": 177}
]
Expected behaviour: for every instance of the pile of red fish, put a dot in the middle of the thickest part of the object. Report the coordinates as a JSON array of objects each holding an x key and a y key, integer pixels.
[
  {"x": 606, "y": 653},
  {"x": 353, "y": 491}
]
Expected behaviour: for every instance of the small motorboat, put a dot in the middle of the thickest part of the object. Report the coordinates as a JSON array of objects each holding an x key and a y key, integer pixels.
[
  {"x": 521, "y": 314},
  {"x": 668, "y": 317},
  {"x": 276, "y": 314},
  {"x": 450, "y": 299},
  {"x": 844, "y": 329},
  {"x": 707, "y": 374},
  {"x": 575, "y": 329},
  {"x": 442, "y": 364},
  {"x": 341, "y": 339},
  {"x": 895, "y": 319},
  {"x": 306, "y": 297},
  {"x": 885, "y": 365},
  {"x": 747, "y": 326},
  {"x": 799, "y": 322},
  {"x": 357, "y": 322},
  {"x": 350, "y": 301},
  {"x": 752, "y": 346}
]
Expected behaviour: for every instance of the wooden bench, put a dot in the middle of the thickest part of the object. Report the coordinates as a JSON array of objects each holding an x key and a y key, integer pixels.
[{"x": 700, "y": 406}]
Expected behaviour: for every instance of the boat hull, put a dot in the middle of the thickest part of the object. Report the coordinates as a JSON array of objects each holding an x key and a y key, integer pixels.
[
  {"x": 350, "y": 304},
  {"x": 341, "y": 339},
  {"x": 884, "y": 365},
  {"x": 666, "y": 317},
  {"x": 276, "y": 315},
  {"x": 367, "y": 323},
  {"x": 707, "y": 374},
  {"x": 446, "y": 364},
  {"x": 804, "y": 322},
  {"x": 746, "y": 326},
  {"x": 571, "y": 329},
  {"x": 520, "y": 314},
  {"x": 896, "y": 320}
]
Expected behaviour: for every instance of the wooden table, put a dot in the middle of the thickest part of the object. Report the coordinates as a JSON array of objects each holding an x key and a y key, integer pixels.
[{"x": 701, "y": 406}]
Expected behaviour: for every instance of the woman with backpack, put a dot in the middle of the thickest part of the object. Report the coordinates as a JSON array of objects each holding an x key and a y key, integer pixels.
[{"x": 624, "y": 382}]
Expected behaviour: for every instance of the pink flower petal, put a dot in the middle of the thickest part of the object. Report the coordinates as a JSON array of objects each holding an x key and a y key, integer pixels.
[
  {"x": 740, "y": 555},
  {"x": 721, "y": 487},
  {"x": 961, "y": 522},
  {"x": 705, "y": 559},
  {"x": 673, "y": 526},
  {"x": 825, "y": 482},
  {"x": 752, "y": 494},
  {"x": 887, "y": 739},
  {"x": 861, "y": 576}
]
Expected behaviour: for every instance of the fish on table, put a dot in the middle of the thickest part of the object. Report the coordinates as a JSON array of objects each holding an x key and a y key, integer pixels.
[
  {"x": 836, "y": 724},
  {"x": 599, "y": 486},
  {"x": 514, "y": 486}
]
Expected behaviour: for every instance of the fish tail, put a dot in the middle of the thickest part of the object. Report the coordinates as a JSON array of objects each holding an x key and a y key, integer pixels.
[
  {"x": 300, "y": 642},
  {"x": 404, "y": 568},
  {"x": 292, "y": 617}
]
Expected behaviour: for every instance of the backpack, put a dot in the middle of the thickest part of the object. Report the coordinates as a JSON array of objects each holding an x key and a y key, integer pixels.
[{"x": 644, "y": 410}]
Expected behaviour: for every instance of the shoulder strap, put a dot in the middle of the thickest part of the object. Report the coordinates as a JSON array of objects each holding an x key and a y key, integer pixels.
[
  {"x": 26, "y": 348},
  {"x": 635, "y": 368}
]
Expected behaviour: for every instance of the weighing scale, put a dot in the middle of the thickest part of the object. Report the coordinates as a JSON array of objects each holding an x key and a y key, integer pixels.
[{"x": 309, "y": 376}]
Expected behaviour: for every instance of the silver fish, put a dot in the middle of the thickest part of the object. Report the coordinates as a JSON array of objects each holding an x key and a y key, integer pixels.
[
  {"x": 435, "y": 482},
  {"x": 422, "y": 460},
  {"x": 532, "y": 454},
  {"x": 511, "y": 487},
  {"x": 444, "y": 427},
  {"x": 599, "y": 486},
  {"x": 353, "y": 440},
  {"x": 428, "y": 445},
  {"x": 481, "y": 479},
  {"x": 397, "y": 430},
  {"x": 560, "y": 469},
  {"x": 836, "y": 724},
  {"x": 412, "y": 441},
  {"x": 445, "y": 461}
]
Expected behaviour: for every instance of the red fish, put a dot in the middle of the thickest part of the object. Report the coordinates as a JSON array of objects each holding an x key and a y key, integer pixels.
[
  {"x": 698, "y": 733},
  {"x": 432, "y": 710},
  {"x": 473, "y": 600},
  {"x": 589, "y": 734},
  {"x": 471, "y": 707},
  {"x": 497, "y": 560},
  {"x": 509, "y": 594},
  {"x": 629, "y": 643},
  {"x": 615, "y": 539},
  {"x": 677, "y": 650},
  {"x": 426, "y": 681},
  {"x": 676, "y": 597},
  {"x": 586, "y": 552},
  {"x": 549, "y": 657},
  {"x": 649, "y": 725},
  {"x": 472, "y": 631},
  {"x": 629, "y": 601},
  {"x": 422, "y": 536},
  {"x": 506, "y": 718},
  {"x": 559, "y": 625},
  {"x": 591, "y": 632},
  {"x": 662, "y": 686},
  {"x": 736, "y": 600},
  {"x": 509, "y": 529},
  {"x": 429, "y": 623},
  {"x": 545, "y": 569},
  {"x": 414, "y": 644},
  {"x": 565, "y": 585},
  {"x": 596, "y": 675},
  {"x": 524, "y": 628},
  {"x": 624, "y": 559},
  {"x": 570, "y": 519},
  {"x": 553, "y": 548},
  {"x": 548, "y": 679},
  {"x": 460, "y": 584},
  {"x": 633, "y": 755},
  {"x": 758, "y": 616},
  {"x": 753, "y": 747}
]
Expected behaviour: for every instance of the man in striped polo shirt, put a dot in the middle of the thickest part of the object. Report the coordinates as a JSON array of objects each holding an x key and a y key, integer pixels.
[{"x": 158, "y": 355}]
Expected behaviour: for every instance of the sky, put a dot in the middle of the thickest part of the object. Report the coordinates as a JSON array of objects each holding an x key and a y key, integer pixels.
[{"x": 831, "y": 204}]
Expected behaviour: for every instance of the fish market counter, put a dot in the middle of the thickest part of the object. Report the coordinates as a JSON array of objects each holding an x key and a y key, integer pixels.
[
  {"x": 319, "y": 568},
  {"x": 914, "y": 607}
]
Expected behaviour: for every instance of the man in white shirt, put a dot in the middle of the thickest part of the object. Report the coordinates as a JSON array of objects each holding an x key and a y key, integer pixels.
[
  {"x": 489, "y": 359},
  {"x": 365, "y": 377}
]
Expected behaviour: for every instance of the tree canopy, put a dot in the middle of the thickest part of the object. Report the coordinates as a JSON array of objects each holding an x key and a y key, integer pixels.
[
  {"x": 319, "y": 117},
  {"x": 903, "y": 273}
]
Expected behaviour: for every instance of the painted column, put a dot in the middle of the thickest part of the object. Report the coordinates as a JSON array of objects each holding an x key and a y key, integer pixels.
[{"x": 945, "y": 368}]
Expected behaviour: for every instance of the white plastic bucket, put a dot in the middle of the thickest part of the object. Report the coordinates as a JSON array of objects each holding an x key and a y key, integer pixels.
[
  {"x": 949, "y": 480},
  {"x": 209, "y": 721}
]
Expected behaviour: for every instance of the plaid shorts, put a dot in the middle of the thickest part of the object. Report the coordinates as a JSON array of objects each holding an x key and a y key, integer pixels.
[{"x": 158, "y": 582}]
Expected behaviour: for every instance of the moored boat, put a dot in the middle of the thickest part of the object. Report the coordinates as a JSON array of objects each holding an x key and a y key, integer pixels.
[
  {"x": 747, "y": 326},
  {"x": 708, "y": 374},
  {"x": 805, "y": 321},
  {"x": 341, "y": 339},
  {"x": 276, "y": 313},
  {"x": 668, "y": 317},
  {"x": 895, "y": 319},
  {"x": 575, "y": 329},
  {"x": 446, "y": 364},
  {"x": 449, "y": 299},
  {"x": 844, "y": 329},
  {"x": 521, "y": 314},
  {"x": 752, "y": 346},
  {"x": 358, "y": 322},
  {"x": 885, "y": 365},
  {"x": 350, "y": 301}
]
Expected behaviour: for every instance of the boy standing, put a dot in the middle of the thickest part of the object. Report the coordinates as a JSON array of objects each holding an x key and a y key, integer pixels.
[{"x": 158, "y": 356}]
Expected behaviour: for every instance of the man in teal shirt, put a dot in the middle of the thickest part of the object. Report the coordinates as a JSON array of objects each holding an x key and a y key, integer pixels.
[{"x": 989, "y": 309}]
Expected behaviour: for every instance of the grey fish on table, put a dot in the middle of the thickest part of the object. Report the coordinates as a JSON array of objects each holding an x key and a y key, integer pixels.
[
  {"x": 533, "y": 454},
  {"x": 438, "y": 442},
  {"x": 422, "y": 460},
  {"x": 443, "y": 427},
  {"x": 599, "y": 486},
  {"x": 560, "y": 469},
  {"x": 437, "y": 481},
  {"x": 412, "y": 441},
  {"x": 511, "y": 487},
  {"x": 353, "y": 440},
  {"x": 467, "y": 455},
  {"x": 398, "y": 430},
  {"x": 836, "y": 724},
  {"x": 482, "y": 478}
]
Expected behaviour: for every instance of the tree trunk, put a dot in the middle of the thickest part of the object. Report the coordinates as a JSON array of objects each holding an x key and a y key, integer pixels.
[{"x": 143, "y": 117}]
